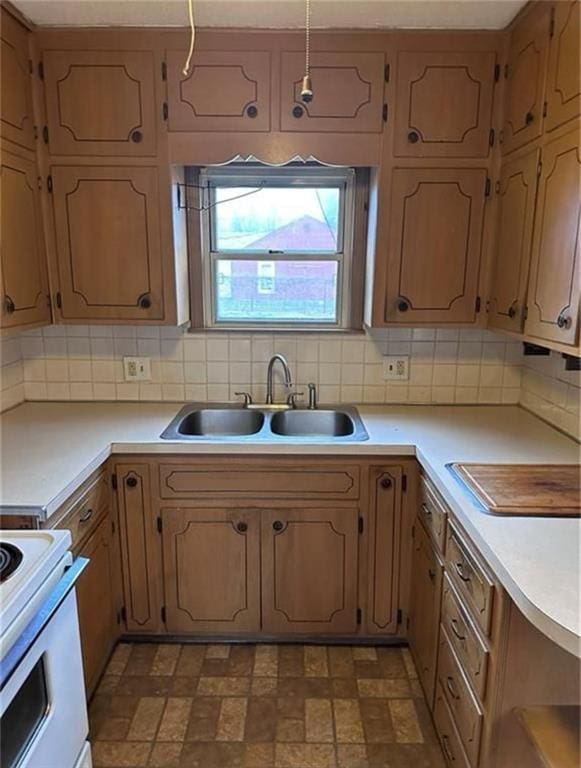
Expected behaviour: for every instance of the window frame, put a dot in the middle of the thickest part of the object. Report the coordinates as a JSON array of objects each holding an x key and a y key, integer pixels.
[{"x": 301, "y": 176}]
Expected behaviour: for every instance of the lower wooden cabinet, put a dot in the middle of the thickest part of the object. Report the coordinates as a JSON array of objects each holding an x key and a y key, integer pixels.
[{"x": 309, "y": 570}]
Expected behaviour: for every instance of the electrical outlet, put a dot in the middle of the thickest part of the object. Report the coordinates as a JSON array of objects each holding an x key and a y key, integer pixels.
[
  {"x": 396, "y": 368},
  {"x": 137, "y": 368}
]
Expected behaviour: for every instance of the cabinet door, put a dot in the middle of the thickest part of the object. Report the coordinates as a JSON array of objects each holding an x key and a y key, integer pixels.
[
  {"x": 563, "y": 93},
  {"x": 309, "y": 570},
  {"x": 426, "y": 594},
  {"x": 525, "y": 79},
  {"x": 17, "y": 120},
  {"x": 384, "y": 548},
  {"x": 434, "y": 245},
  {"x": 347, "y": 88},
  {"x": 211, "y": 563},
  {"x": 23, "y": 258},
  {"x": 553, "y": 297},
  {"x": 108, "y": 242},
  {"x": 140, "y": 549},
  {"x": 100, "y": 103},
  {"x": 96, "y": 598},
  {"x": 517, "y": 190},
  {"x": 225, "y": 91},
  {"x": 443, "y": 104}
]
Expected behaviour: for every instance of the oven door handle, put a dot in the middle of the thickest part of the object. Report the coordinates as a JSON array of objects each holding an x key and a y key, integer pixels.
[{"x": 37, "y": 624}]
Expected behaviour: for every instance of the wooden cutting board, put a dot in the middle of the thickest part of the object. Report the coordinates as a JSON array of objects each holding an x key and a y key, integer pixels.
[{"x": 552, "y": 490}]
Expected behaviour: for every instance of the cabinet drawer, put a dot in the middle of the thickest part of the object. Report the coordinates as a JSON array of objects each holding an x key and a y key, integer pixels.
[
  {"x": 184, "y": 481},
  {"x": 469, "y": 577},
  {"x": 433, "y": 513},
  {"x": 449, "y": 737},
  {"x": 462, "y": 702},
  {"x": 465, "y": 640},
  {"x": 82, "y": 516}
]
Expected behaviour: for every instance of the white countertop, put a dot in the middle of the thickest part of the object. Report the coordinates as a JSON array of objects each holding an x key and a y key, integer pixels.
[{"x": 49, "y": 449}]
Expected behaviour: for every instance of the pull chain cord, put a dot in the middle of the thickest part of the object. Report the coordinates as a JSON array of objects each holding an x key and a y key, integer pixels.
[
  {"x": 307, "y": 86},
  {"x": 186, "y": 69}
]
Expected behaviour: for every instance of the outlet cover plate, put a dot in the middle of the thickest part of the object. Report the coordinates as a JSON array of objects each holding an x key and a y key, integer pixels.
[
  {"x": 137, "y": 368},
  {"x": 396, "y": 368}
]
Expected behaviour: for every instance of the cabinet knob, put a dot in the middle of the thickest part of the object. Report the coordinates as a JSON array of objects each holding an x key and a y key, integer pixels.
[
  {"x": 277, "y": 525},
  {"x": 298, "y": 111},
  {"x": 413, "y": 137},
  {"x": 564, "y": 321},
  {"x": 252, "y": 111},
  {"x": 9, "y": 304},
  {"x": 403, "y": 305},
  {"x": 385, "y": 482},
  {"x": 131, "y": 482},
  {"x": 144, "y": 301},
  {"x": 529, "y": 117},
  {"x": 512, "y": 311},
  {"x": 136, "y": 136},
  {"x": 242, "y": 527},
  {"x": 431, "y": 574},
  {"x": 87, "y": 516}
]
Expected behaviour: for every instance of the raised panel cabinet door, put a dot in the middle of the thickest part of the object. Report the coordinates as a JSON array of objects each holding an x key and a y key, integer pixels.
[
  {"x": 100, "y": 103},
  {"x": 525, "y": 79},
  {"x": 108, "y": 242},
  {"x": 140, "y": 549},
  {"x": 426, "y": 594},
  {"x": 555, "y": 283},
  {"x": 24, "y": 280},
  {"x": 384, "y": 548},
  {"x": 434, "y": 245},
  {"x": 96, "y": 597},
  {"x": 443, "y": 104},
  {"x": 224, "y": 91},
  {"x": 516, "y": 192},
  {"x": 17, "y": 119},
  {"x": 309, "y": 570},
  {"x": 563, "y": 93},
  {"x": 347, "y": 92},
  {"x": 211, "y": 562}
]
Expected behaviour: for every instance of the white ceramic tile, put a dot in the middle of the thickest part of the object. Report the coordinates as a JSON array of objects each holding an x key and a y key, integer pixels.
[{"x": 81, "y": 391}]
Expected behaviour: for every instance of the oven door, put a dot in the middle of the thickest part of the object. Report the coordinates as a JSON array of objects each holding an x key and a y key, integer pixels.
[{"x": 43, "y": 713}]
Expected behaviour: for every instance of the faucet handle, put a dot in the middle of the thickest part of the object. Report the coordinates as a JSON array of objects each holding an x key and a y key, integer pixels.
[
  {"x": 292, "y": 398},
  {"x": 247, "y": 398},
  {"x": 313, "y": 404}
]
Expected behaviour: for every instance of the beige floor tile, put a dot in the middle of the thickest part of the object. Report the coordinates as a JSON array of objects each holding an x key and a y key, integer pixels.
[
  {"x": 146, "y": 719},
  {"x": 266, "y": 661},
  {"x": 119, "y": 659},
  {"x": 303, "y": 755},
  {"x": 190, "y": 660},
  {"x": 364, "y": 654},
  {"x": 405, "y": 721},
  {"x": 318, "y": 721},
  {"x": 396, "y": 688},
  {"x": 348, "y": 725},
  {"x": 409, "y": 663},
  {"x": 352, "y": 756},
  {"x": 264, "y": 686},
  {"x": 120, "y": 754},
  {"x": 217, "y": 651},
  {"x": 259, "y": 756},
  {"x": 316, "y": 664},
  {"x": 175, "y": 719},
  {"x": 165, "y": 660},
  {"x": 223, "y": 686},
  {"x": 290, "y": 729},
  {"x": 165, "y": 755},
  {"x": 232, "y": 719}
]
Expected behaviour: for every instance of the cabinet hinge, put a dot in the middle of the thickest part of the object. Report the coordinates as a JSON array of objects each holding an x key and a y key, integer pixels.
[
  {"x": 491, "y": 136},
  {"x": 496, "y": 73},
  {"x": 41, "y": 70},
  {"x": 159, "y": 525},
  {"x": 124, "y": 613},
  {"x": 539, "y": 167},
  {"x": 58, "y": 300},
  {"x": 399, "y": 616},
  {"x": 477, "y": 304},
  {"x": 163, "y": 613},
  {"x": 114, "y": 481},
  {"x": 404, "y": 482},
  {"x": 360, "y": 525},
  {"x": 359, "y": 616},
  {"x": 45, "y": 134},
  {"x": 165, "y": 110},
  {"x": 49, "y": 183},
  {"x": 386, "y": 73},
  {"x": 545, "y": 108},
  {"x": 487, "y": 187},
  {"x": 525, "y": 313},
  {"x": 163, "y": 70},
  {"x": 385, "y": 112},
  {"x": 552, "y": 23}
]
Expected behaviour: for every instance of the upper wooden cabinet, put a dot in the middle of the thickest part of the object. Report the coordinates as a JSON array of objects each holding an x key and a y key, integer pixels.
[
  {"x": 347, "y": 88},
  {"x": 516, "y": 193},
  {"x": 108, "y": 242},
  {"x": 224, "y": 91},
  {"x": 563, "y": 95},
  {"x": 433, "y": 245},
  {"x": 23, "y": 279},
  {"x": 211, "y": 570},
  {"x": 555, "y": 284},
  {"x": 525, "y": 79},
  {"x": 17, "y": 120},
  {"x": 443, "y": 105},
  {"x": 100, "y": 102}
]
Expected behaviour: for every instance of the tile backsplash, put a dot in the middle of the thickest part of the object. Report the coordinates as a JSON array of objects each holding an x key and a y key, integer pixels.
[{"x": 446, "y": 366}]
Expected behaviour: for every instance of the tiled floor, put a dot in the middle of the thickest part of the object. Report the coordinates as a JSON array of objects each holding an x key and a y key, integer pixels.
[{"x": 261, "y": 706}]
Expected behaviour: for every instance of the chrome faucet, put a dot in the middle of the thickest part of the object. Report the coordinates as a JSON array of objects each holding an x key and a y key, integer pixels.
[{"x": 269, "y": 376}]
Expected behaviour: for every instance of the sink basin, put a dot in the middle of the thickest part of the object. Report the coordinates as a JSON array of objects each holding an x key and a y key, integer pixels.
[
  {"x": 220, "y": 422},
  {"x": 316, "y": 423}
]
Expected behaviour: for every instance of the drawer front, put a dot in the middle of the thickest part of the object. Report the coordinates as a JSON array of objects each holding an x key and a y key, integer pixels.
[
  {"x": 464, "y": 638},
  {"x": 449, "y": 737},
  {"x": 184, "y": 481},
  {"x": 433, "y": 513},
  {"x": 470, "y": 579},
  {"x": 84, "y": 514},
  {"x": 462, "y": 702}
]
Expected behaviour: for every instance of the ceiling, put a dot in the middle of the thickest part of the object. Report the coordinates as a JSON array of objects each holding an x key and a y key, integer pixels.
[{"x": 271, "y": 14}]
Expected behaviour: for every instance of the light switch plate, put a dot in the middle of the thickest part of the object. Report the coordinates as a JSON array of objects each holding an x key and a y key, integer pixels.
[
  {"x": 137, "y": 368},
  {"x": 396, "y": 368}
]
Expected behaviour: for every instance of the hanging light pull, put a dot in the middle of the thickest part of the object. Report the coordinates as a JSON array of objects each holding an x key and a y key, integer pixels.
[
  {"x": 306, "y": 84},
  {"x": 186, "y": 69}
]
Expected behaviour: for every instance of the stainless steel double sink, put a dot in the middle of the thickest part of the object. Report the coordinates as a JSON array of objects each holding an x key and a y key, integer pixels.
[{"x": 225, "y": 422}]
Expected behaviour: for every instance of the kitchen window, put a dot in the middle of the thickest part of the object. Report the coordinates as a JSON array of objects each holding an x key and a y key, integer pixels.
[{"x": 277, "y": 247}]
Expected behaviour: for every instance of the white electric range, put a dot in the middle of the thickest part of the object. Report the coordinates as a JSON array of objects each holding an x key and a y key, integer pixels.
[{"x": 43, "y": 713}]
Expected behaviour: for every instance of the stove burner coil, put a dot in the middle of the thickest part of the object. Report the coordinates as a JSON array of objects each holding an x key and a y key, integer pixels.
[{"x": 10, "y": 559}]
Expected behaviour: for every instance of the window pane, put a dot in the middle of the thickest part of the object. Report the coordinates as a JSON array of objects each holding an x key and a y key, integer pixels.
[
  {"x": 280, "y": 291},
  {"x": 290, "y": 219}
]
